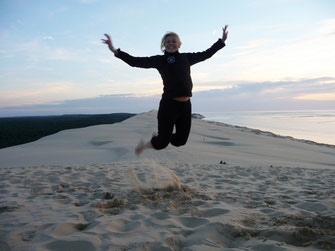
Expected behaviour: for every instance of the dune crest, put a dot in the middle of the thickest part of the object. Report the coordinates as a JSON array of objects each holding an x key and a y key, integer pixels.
[{"x": 228, "y": 189}]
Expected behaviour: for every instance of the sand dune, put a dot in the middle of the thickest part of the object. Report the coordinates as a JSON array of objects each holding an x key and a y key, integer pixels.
[{"x": 85, "y": 189}]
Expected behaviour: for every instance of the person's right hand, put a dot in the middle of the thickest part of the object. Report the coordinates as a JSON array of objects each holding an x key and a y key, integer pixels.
[
  {"x": 108, "y": 41},
  {"x": 225, "y": 33}
]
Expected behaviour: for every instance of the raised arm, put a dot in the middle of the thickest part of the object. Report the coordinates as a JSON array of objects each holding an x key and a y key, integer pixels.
[
  {"x": 142, "y": 62},
  {"x": 201, "y": 56},
  {"x": 108, "y": 41}
]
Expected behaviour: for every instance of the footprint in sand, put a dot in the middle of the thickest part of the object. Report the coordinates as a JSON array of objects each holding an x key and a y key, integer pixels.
[{"x": 66, "y": 229}]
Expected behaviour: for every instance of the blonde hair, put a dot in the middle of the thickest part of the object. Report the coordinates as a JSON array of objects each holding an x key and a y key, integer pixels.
[{"x": 166, "y": 36}]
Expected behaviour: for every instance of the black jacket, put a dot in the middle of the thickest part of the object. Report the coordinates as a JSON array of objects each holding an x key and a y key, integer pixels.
[{"x": 175, "y": 68}]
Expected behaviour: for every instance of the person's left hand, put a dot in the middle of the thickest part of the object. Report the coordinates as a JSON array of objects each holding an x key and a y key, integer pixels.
[
  {"x": 225, "y": 33},
  {"x": 108, "y": 41}
]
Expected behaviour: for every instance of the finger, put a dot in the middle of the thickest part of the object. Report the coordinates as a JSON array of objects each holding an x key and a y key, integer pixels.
[{"x": 225, "y": 28}]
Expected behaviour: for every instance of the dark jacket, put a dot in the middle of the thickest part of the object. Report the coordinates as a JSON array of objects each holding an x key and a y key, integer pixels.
[{"x": 175, "y": 68}]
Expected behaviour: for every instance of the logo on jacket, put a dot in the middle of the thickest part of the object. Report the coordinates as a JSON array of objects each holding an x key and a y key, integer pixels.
[{"x": 171, "y": 59}]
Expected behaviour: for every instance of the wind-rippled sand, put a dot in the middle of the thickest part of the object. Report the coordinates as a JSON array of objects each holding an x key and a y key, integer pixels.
[{"x": 178, "y": 199}]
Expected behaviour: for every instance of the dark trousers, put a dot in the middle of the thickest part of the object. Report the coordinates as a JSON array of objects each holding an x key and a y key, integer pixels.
[{"x": 172, "y": 113}]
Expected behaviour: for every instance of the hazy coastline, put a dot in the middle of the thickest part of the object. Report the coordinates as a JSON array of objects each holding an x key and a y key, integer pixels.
[{"x": 309, "y": 125}]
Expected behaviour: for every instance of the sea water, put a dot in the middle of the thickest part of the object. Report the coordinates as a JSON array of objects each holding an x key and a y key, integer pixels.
[{"x": 314, "y": 125}]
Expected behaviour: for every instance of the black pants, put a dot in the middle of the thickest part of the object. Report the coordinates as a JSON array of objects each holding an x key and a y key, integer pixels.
[{"x": 172, "y": 113}]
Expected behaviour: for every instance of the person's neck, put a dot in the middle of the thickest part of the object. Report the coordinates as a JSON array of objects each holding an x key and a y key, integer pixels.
[{"x": 171, "y": 53}]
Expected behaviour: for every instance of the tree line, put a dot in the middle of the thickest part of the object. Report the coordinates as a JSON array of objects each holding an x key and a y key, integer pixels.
[{"x": 21, "y": 130}]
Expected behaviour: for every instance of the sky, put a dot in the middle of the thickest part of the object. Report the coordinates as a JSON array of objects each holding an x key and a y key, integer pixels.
[{"x": 279, "y": 55}]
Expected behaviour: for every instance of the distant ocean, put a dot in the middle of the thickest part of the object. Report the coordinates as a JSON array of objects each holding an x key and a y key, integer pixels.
[{"x": 314, "y": 125}]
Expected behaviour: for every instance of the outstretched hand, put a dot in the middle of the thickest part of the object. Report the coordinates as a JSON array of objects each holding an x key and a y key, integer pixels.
[
  {"x": 108, "y": 41},
  {"x": 225, "y": 33}
]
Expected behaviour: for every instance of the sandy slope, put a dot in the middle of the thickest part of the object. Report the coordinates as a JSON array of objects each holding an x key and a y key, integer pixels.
[{"x": 85, "y": 189}]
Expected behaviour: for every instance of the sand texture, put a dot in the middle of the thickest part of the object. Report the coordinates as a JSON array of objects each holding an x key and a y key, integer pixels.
[{"x": 229, "y": 188}]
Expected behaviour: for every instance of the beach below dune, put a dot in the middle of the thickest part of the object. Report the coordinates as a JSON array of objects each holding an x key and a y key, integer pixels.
[
  {"x": 84, "y": 189},
  {"x": 312, "y": 125}
]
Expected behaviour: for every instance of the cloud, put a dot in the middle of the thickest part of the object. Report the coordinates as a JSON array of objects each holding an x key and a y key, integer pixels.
[
  {"x": 37, "y": 93},
  {"x": 310, "y": 55},
  {"x": 327, "y": 26},
  {"x": 254, "y": 44},
  {"x": 317, "y": 96},
  {"x": 280, "y": 95},
  {"x": 61, "y": 54},
  {"x": 101, "y": 104},
  {"x": 315, "y": 93},
  {"x": 48, "y": 38},
  {"x": 39, "y": 49}
]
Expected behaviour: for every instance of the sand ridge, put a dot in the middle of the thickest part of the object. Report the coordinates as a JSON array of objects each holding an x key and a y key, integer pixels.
[{"x": 268, "y": 193}]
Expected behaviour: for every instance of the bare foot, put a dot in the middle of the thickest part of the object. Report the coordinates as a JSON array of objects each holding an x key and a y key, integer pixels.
[
  {"x": 142, "y": 146},
  {"x": 139, "y": 148}
]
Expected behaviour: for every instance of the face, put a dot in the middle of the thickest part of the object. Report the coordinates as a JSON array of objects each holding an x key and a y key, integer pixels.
[{"x": 172, "y": 44}]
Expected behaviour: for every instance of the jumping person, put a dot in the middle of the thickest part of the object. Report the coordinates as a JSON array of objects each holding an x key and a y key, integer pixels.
[{"x": 175, "y": 105}]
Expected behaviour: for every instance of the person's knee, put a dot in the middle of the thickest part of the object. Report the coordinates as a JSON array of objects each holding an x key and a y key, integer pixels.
[
  {"x": 159, "y": 143},
  {"x": 177, "y": 144},
  {"x": 178, "y": 141}
]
